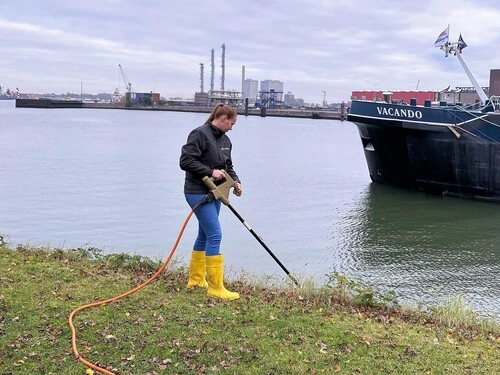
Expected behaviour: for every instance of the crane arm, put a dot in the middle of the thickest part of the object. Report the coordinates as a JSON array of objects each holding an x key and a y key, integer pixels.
[{"x": 125, "y": 79}]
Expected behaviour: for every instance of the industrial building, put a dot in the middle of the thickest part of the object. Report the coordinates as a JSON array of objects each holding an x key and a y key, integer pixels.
[
  {"x": 464, "y": 95},
  {"x": 495, "y": 82},
  {"x": 141, "y": 99},
  {"x": 214, "y": 96},
  {"x": 271, "y": 85},
  {"x": 250, "y": 90},
  {"x": 397, "y": 96},
  {"x": 292, "y": 102},
  {"x": 270, "y": 94}
]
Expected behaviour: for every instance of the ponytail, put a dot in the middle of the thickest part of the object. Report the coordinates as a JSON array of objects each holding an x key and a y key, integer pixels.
[{"x": 221, "y": 109}]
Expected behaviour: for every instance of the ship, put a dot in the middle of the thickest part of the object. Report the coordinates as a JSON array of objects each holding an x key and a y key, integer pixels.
[
  {"x": 447, "y": 149},
  {"x": 7, "y": 95}
]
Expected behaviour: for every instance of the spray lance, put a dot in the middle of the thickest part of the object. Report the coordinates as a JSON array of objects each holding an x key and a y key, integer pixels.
[{"x": 221, "y": 192}]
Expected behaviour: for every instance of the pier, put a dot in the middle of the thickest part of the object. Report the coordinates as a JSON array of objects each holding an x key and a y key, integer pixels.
[{"x": 311, "y": 113}]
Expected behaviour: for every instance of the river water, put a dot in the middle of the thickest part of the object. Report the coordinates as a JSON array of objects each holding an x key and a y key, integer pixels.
[{"x": 110, "y": 179}]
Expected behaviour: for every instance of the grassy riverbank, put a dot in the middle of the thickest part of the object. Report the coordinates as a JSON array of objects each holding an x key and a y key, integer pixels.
[{"x": 165, "y": 328}]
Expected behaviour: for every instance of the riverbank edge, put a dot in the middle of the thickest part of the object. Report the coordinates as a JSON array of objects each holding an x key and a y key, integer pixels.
[
  {"x": 322, "y": 305},
  {"x": 343, "y": 292}
]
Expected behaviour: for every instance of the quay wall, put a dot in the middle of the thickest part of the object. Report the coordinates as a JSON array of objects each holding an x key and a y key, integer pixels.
[
  {"x": 297, "y": 113},
  {"x": 262, "y": 112}
]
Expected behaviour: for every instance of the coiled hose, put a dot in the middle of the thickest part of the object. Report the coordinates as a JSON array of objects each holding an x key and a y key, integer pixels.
[{"x": 207, "y": 198}]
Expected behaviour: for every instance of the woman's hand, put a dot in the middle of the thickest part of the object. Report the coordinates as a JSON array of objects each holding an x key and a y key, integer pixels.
[
  {"x": 218, "y": 174},
  {"x": 238, "y": 190}
]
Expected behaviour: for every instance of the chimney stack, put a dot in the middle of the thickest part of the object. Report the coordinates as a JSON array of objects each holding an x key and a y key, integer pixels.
[
  {"x": 223, "y": 66},
  {"x": 201, "y": 78},
  {"x": 212, "y": 73},
  {"x": 242, "y": 77}
]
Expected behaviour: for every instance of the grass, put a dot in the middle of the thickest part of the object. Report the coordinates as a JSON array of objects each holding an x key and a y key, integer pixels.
[{"x": 342, "y": 327}]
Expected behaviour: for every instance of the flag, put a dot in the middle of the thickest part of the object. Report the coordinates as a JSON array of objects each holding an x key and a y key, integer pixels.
[
  {"x": 442, "y": 38},
  {"x": 461, "y": 44}
]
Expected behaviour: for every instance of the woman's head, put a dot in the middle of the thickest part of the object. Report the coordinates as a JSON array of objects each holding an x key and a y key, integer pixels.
[
  {"x": 222, "y": 110},
  {"x": 223, "y": 116}
]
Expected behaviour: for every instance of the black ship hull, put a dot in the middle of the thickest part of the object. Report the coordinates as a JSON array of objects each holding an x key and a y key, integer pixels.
[
  {"x": 48, "y": 103},
  {"x": 440, "y": 150}
]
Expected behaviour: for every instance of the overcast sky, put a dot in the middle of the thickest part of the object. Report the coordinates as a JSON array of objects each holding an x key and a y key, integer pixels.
[{"x": 335, "y": 46}]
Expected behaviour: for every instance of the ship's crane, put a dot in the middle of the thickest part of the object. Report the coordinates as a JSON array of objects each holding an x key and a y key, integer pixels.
[{"x": 125, "y": 79}]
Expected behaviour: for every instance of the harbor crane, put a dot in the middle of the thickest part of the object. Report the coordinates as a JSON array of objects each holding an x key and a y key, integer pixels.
[{"x": 128, "y": 85}]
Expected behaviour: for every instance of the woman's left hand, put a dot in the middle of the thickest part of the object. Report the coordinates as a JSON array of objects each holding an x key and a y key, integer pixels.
[{"x": 237, "y": 190}]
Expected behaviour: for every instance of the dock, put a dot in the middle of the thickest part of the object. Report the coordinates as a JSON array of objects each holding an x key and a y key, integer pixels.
[{"x": 311, "y": 113}]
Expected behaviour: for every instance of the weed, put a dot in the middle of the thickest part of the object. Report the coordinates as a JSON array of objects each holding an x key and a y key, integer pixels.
[{"x": 355, "y": 292}]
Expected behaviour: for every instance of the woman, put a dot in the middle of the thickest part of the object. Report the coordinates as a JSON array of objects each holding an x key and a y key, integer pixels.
[{"x": 207, "y": 152}]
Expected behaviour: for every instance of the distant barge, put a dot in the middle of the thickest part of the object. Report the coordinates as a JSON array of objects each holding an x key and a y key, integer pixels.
[
  {"x": 47, "y": 103},
  {"x": 262, "y": 112}
]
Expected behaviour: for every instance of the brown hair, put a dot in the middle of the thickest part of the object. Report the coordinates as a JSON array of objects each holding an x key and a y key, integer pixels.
[{"x": 222, "y": 110}]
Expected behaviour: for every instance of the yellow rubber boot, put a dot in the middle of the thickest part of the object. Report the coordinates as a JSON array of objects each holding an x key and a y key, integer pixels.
[
  {"x": 197, "y": 270},
  {"x": 215, "y": 275}
]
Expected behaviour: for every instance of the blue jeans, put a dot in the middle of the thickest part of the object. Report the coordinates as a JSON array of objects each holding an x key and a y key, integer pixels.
[{"x": 209, "y": 230}]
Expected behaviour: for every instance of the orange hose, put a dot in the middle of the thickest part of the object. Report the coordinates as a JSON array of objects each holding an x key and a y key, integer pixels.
[{"x": 100, "y": 303}]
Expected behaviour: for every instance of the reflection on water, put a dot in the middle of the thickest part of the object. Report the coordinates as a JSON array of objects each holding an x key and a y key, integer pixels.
[{"x": 428, "y": 248}]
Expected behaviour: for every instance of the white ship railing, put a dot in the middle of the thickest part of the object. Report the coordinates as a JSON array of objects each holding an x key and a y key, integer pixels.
[{"x": 495, "y": 102}]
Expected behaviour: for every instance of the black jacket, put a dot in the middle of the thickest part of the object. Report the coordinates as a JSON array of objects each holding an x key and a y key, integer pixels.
[{"x": 207, "y": 148}]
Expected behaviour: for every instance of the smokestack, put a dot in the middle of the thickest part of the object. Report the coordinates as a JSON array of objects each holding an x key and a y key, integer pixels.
[
  {"x": 201, "y": 77},
  {"x": 212, "y": 73},
  {"x": 242, "y": 77},
  {"x": 223, "y": 66}
]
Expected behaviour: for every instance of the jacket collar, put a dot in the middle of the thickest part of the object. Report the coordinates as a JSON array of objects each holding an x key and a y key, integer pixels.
[{"x": 215, "y": 130}]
